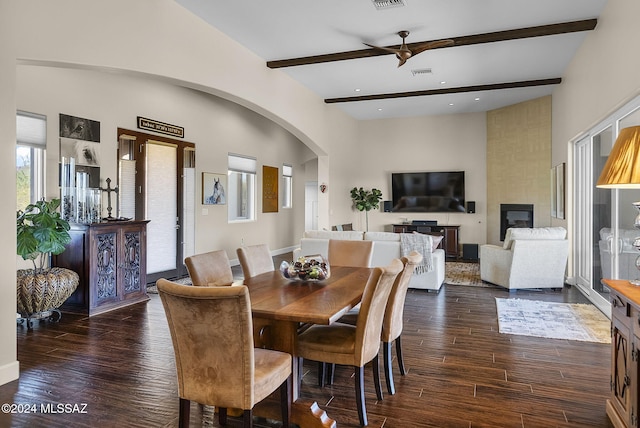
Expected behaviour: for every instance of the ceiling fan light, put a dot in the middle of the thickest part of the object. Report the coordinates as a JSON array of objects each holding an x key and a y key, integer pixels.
[{"x": 388, "y": 4}]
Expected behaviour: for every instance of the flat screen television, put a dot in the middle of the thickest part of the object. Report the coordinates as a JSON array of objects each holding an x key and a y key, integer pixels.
[{"x": 428, "y": 191}]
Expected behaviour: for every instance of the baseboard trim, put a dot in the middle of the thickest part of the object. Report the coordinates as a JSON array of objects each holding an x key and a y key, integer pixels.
[{"x": 9, "y": 372}]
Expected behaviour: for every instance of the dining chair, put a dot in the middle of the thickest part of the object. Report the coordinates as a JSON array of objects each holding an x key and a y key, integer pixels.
[
  {"x": 355, "y": 345},
  {"x": 255, "y": 259},
  {"x": 392, "y": 323},
  {"x": 214, "y": 367},
  {"x": 210, "y": 269},
  {"x": 344, "y": 252}
]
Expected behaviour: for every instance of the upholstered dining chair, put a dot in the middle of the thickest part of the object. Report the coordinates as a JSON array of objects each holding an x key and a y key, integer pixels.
[
  {"x": 255, "y": 259},
  {"x": 355, "y": 345},
  {"x": 392, "y": 324},
  {"x": 343, "y": 252},
  {"x": 214, "y": 367},
  {"x": 210, "y": 269}
]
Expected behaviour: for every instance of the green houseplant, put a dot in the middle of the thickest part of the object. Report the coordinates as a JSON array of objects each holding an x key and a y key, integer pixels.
[
  {"x": 41, "y": 232},
  {"x": 366, "y": 200}
]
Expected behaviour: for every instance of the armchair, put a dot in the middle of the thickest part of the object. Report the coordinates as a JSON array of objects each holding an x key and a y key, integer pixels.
[{"x": 529, "y": 258}]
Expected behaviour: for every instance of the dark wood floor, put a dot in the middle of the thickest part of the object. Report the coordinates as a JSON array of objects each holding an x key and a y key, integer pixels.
[{"x": 461, "y": 371}]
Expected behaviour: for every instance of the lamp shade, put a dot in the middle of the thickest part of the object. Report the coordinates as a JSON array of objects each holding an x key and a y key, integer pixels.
[{"x": 622, "y": 169}]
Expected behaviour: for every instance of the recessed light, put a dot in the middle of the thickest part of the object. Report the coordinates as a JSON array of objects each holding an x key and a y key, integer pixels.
[
  {"x": 450, "y": 104},
  {"x": 357, "y": 90},
  {"x": 442, "y": 82},
  {"x": 477, "y": 99},
  {"x": 379, "y": 109}
]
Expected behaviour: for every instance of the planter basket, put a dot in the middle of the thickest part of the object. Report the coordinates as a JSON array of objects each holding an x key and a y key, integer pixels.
[{"x": 40, "y": 296}]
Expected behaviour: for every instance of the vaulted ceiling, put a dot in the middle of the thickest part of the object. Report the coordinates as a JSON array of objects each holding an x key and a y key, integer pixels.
[{"x": 501, "y": 52}]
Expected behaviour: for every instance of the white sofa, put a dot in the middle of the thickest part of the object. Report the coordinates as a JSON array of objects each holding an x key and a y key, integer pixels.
[
  {"x": 529, "y": 258},
  {"x": 386, "y": 247}
]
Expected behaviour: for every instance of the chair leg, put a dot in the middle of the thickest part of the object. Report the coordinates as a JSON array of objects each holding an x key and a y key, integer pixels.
[
  {"x": 376, "y": 377},
  {"x": 222, "y": 415},
  {"x": 183, "y": 418},
  {"x": 285, "y": 402},
  {"x": 247, "y": 418},
  {"x": 362, "y": 410},
  {"x": 331, "y": 369},
  {"x": 321, "y": 373},
  {"x": 399, "y": 356},
  {"x": 388, "y": 370}
]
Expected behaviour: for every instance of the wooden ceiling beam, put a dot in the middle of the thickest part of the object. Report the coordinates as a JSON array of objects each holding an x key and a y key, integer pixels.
[
  {"x": 498, "y": 36},
  {"x": 474, "y": 88}
]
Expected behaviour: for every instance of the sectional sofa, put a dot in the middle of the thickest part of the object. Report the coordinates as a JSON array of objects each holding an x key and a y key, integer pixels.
[{"x": 386, "y": 247}]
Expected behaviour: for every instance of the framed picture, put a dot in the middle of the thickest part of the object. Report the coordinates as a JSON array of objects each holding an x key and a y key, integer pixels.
[
  {"x": 84, "y": 152},
  {"x": 269, "y": 189},
  {"x": 560, "y": 180},
  {"x": 554, "y": 193},
  {"x": 79, "y": 128},
  {"x": 214, "y": 188}
]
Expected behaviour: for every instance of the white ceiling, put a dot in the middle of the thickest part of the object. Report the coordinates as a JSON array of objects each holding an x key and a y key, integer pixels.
[{"x": 286, "y": 29}]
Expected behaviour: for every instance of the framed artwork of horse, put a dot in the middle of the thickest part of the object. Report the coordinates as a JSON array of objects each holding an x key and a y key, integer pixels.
[{"x": 214, "y": 189}]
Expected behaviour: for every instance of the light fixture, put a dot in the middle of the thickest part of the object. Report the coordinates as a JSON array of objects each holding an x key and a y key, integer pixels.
[{"x": 622, "y": 171}]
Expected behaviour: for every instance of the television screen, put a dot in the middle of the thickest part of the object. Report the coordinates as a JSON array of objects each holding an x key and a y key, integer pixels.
[{"x": 428, "y": 191}]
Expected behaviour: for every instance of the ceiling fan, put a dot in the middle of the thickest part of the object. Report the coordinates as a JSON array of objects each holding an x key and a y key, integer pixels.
[{"x": 403, "y": 53}]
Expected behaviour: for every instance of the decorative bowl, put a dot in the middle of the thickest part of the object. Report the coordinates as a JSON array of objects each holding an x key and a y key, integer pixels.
[{"x": 306, "y": 269}]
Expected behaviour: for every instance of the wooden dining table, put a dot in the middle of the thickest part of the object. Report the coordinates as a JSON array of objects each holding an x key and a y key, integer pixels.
[{"x": 281, "y": 308}]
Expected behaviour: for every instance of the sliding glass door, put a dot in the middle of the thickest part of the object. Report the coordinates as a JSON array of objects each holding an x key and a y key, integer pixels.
[{"x": 603, "y": 219}]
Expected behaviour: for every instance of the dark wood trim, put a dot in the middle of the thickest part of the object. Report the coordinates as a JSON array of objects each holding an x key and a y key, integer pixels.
[
  {"x": 473, "y": 88},
  {"x": 497, "y": 36}
]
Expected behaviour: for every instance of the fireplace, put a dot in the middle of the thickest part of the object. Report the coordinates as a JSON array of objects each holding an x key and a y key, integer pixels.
[{"x": 515, "y": 215}]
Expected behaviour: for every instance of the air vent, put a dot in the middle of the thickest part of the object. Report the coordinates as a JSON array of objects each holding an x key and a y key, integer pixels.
[
  {"x": 420, "y": 71},
  {"x": 388, "y": 4}
]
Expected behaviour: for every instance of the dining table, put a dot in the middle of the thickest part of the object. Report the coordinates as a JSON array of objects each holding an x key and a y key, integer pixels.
[{"x": 281, "y": 308}]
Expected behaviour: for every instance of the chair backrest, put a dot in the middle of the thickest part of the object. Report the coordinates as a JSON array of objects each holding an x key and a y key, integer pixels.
[
  {"x": 350, "y": 253},
  {"x": 372, "y": 306},
  {"x": 212, "y": 268},
  {"x": 255, "y": 259},
  {"x": 394, "y": 312},
  {"x": 212, "y": 333}
]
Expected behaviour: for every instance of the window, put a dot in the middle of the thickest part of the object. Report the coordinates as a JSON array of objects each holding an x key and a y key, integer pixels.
[
  {"x": 287, "y": 186},
  {"x": 242, "y": 188},
  {"x": 31, "y": 139}
]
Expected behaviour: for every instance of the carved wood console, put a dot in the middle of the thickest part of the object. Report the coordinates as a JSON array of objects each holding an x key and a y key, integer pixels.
[
  {"x": 110, "y": 259},
  {"x": 623, "y": 403}
]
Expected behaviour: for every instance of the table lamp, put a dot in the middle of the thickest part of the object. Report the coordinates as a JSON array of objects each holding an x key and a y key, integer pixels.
[{"x": 622, "y": 171}]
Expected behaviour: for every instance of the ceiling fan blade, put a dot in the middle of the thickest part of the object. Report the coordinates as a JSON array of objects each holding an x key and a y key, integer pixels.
[
  {"x": 432, "y": 45},
  {"x": 390, "y": 50}
]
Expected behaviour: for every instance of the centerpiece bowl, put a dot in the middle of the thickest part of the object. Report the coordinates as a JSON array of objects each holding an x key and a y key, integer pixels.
[{"x": 306, "y": 269}]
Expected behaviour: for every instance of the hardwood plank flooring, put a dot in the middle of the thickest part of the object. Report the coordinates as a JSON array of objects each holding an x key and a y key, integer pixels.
[{"x": 461, "y": 371}]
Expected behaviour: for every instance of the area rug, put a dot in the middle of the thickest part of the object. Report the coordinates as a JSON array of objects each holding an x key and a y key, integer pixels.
[
  {"x": 461, "y": 273},
  {"x": 569, "y": 321},
  {"x": 152, "y": 289}
]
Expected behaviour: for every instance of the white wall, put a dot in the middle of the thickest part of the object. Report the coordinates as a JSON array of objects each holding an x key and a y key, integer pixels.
[
  {"x": 216, "y": 126},
  {"x": 602, "y": 76},
  {"x": 433, "y": 143}
]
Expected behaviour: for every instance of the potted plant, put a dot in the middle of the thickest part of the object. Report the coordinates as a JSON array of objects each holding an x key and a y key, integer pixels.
[
  {"x": 41, "y": 232},
  {"x": 366, "y": 200}
]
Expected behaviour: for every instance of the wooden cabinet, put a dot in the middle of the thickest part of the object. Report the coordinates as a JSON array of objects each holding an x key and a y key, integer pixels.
[
  {"x": 449, "y": 241},
  {"x": 623, "y": 403},
  {"x": 110, "y": 259}
]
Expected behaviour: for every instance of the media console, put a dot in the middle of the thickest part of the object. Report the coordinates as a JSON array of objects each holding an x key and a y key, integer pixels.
[{"x": 449, "y": 243}]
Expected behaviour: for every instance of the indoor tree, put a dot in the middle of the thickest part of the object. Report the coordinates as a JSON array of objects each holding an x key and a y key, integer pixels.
[{"x": 366, "y": 200}]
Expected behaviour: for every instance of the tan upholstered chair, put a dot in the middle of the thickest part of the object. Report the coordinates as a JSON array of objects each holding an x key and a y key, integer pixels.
[
  {"x": 255, "y": 259},
  {"x": 343, "y": 252},
  {"x": 393, "y": 318},
  {"x": 355, "y": 345},
  {"x": 212, "y": 268},
  {"x": 214, "y": 367}
]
